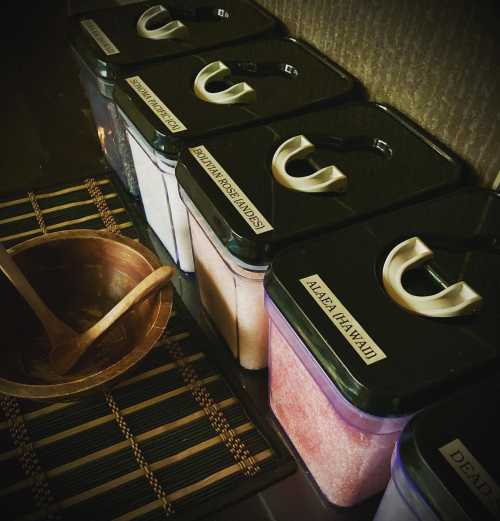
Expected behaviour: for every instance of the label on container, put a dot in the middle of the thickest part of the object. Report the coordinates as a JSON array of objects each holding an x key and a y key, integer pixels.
[
  {"x": 165, "y": 115},
  {"x": 231, "y": 190},
  {"x": 107, "y": 46},
  {"x": 473, "y": 474},
  {"x": 357, "y": 337}
]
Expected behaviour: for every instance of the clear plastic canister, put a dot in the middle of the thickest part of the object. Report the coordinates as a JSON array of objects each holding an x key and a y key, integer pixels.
[
  {"x": 109, "y": 126},
  {"x": 231, "y": 294},
  {"x": 347, "y": 451},
  {"x": 164, "y": 209}
]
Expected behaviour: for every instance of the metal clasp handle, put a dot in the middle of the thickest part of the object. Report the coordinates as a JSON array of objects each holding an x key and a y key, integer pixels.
[
  {"x": 353, "y": 143},
  {"x": 239, "y": 93},
  {"x": 457, "y": 300},
  {"x": 328, "y": 179},
  {"x": 173, "y": 29},
  {"x": 252, "y": 68}
]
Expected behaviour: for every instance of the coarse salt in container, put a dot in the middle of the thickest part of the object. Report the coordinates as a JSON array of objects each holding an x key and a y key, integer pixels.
[
  {"x": 363, "y": 334},
  {"x": 250, "y": 193},
  {"x": 112, "y": 43},
  {"x": 213, "y": 92},
  {"x": 446, "y": 465}
]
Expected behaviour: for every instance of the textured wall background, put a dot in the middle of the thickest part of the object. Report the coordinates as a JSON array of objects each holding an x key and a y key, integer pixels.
[{"x": 438, "y": 61}]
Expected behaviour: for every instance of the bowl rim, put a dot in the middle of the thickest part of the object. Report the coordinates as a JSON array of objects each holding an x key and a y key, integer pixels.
[{"x": 85, "y": 384}]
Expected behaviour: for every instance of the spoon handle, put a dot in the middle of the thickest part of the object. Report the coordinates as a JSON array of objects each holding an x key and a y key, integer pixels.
[
  {"x": 150, "y": 284},
  {"x": 19, "y": 281}
]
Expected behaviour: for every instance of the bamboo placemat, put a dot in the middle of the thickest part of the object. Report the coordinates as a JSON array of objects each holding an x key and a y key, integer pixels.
[{"x": 173, "y": 440}]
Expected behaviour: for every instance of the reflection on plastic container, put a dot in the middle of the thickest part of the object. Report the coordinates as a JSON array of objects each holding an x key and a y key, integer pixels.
[
  {"x": 165, "y": 212},
  {"x": 110, "y": 128},
  {"x": 402, "y": 501}
]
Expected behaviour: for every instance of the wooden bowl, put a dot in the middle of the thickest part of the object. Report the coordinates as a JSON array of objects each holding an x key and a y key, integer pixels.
[{"x": 81, "y": 275}]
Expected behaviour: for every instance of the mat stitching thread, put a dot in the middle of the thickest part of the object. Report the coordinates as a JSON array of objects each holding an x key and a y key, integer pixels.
[
  {"x": 139, "y": 456},
  {"x": 218, "y": 420},
  {"x": 38, "y": 213},
  {"x": 28, "y": 458},
  {"x": 101, "y": 205}
]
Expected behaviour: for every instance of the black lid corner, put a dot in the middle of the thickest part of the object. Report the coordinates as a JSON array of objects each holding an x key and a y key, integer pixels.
[{"x": 450, "y": 451}]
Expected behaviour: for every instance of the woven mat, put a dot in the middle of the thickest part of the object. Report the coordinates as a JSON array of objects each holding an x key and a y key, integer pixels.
[{"x": 173, "y": 440}]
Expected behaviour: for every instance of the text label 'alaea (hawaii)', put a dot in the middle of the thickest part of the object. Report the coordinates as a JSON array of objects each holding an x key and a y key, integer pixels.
[{"x": 352, "y": 331}]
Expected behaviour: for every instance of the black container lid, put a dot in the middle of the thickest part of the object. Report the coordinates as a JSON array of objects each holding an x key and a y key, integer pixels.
[
  {"x": 378, "y": 178},
  {"x": 421, "y": 358},
  {"x": 209, "y": 24},
  {"x": 450, "y": 451},
  {"x": 288, "y": 76}
]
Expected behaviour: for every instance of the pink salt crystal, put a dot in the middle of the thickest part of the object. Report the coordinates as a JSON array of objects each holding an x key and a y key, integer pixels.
[
  {"x": 348, "y": 464},
  {"x": 233, "y": 298}
]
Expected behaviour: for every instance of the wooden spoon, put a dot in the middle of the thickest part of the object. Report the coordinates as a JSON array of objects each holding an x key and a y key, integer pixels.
[{"x": 68, "y": 346}]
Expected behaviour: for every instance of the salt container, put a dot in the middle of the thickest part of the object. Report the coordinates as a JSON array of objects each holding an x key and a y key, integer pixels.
[
  {"x": 446, "y": 464},
  {"x": 368, "y": 326},
  {"x": 213, "y": 92},
  {"x": 253, "y": 192},
  {"x": 114, "y": 42}
]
